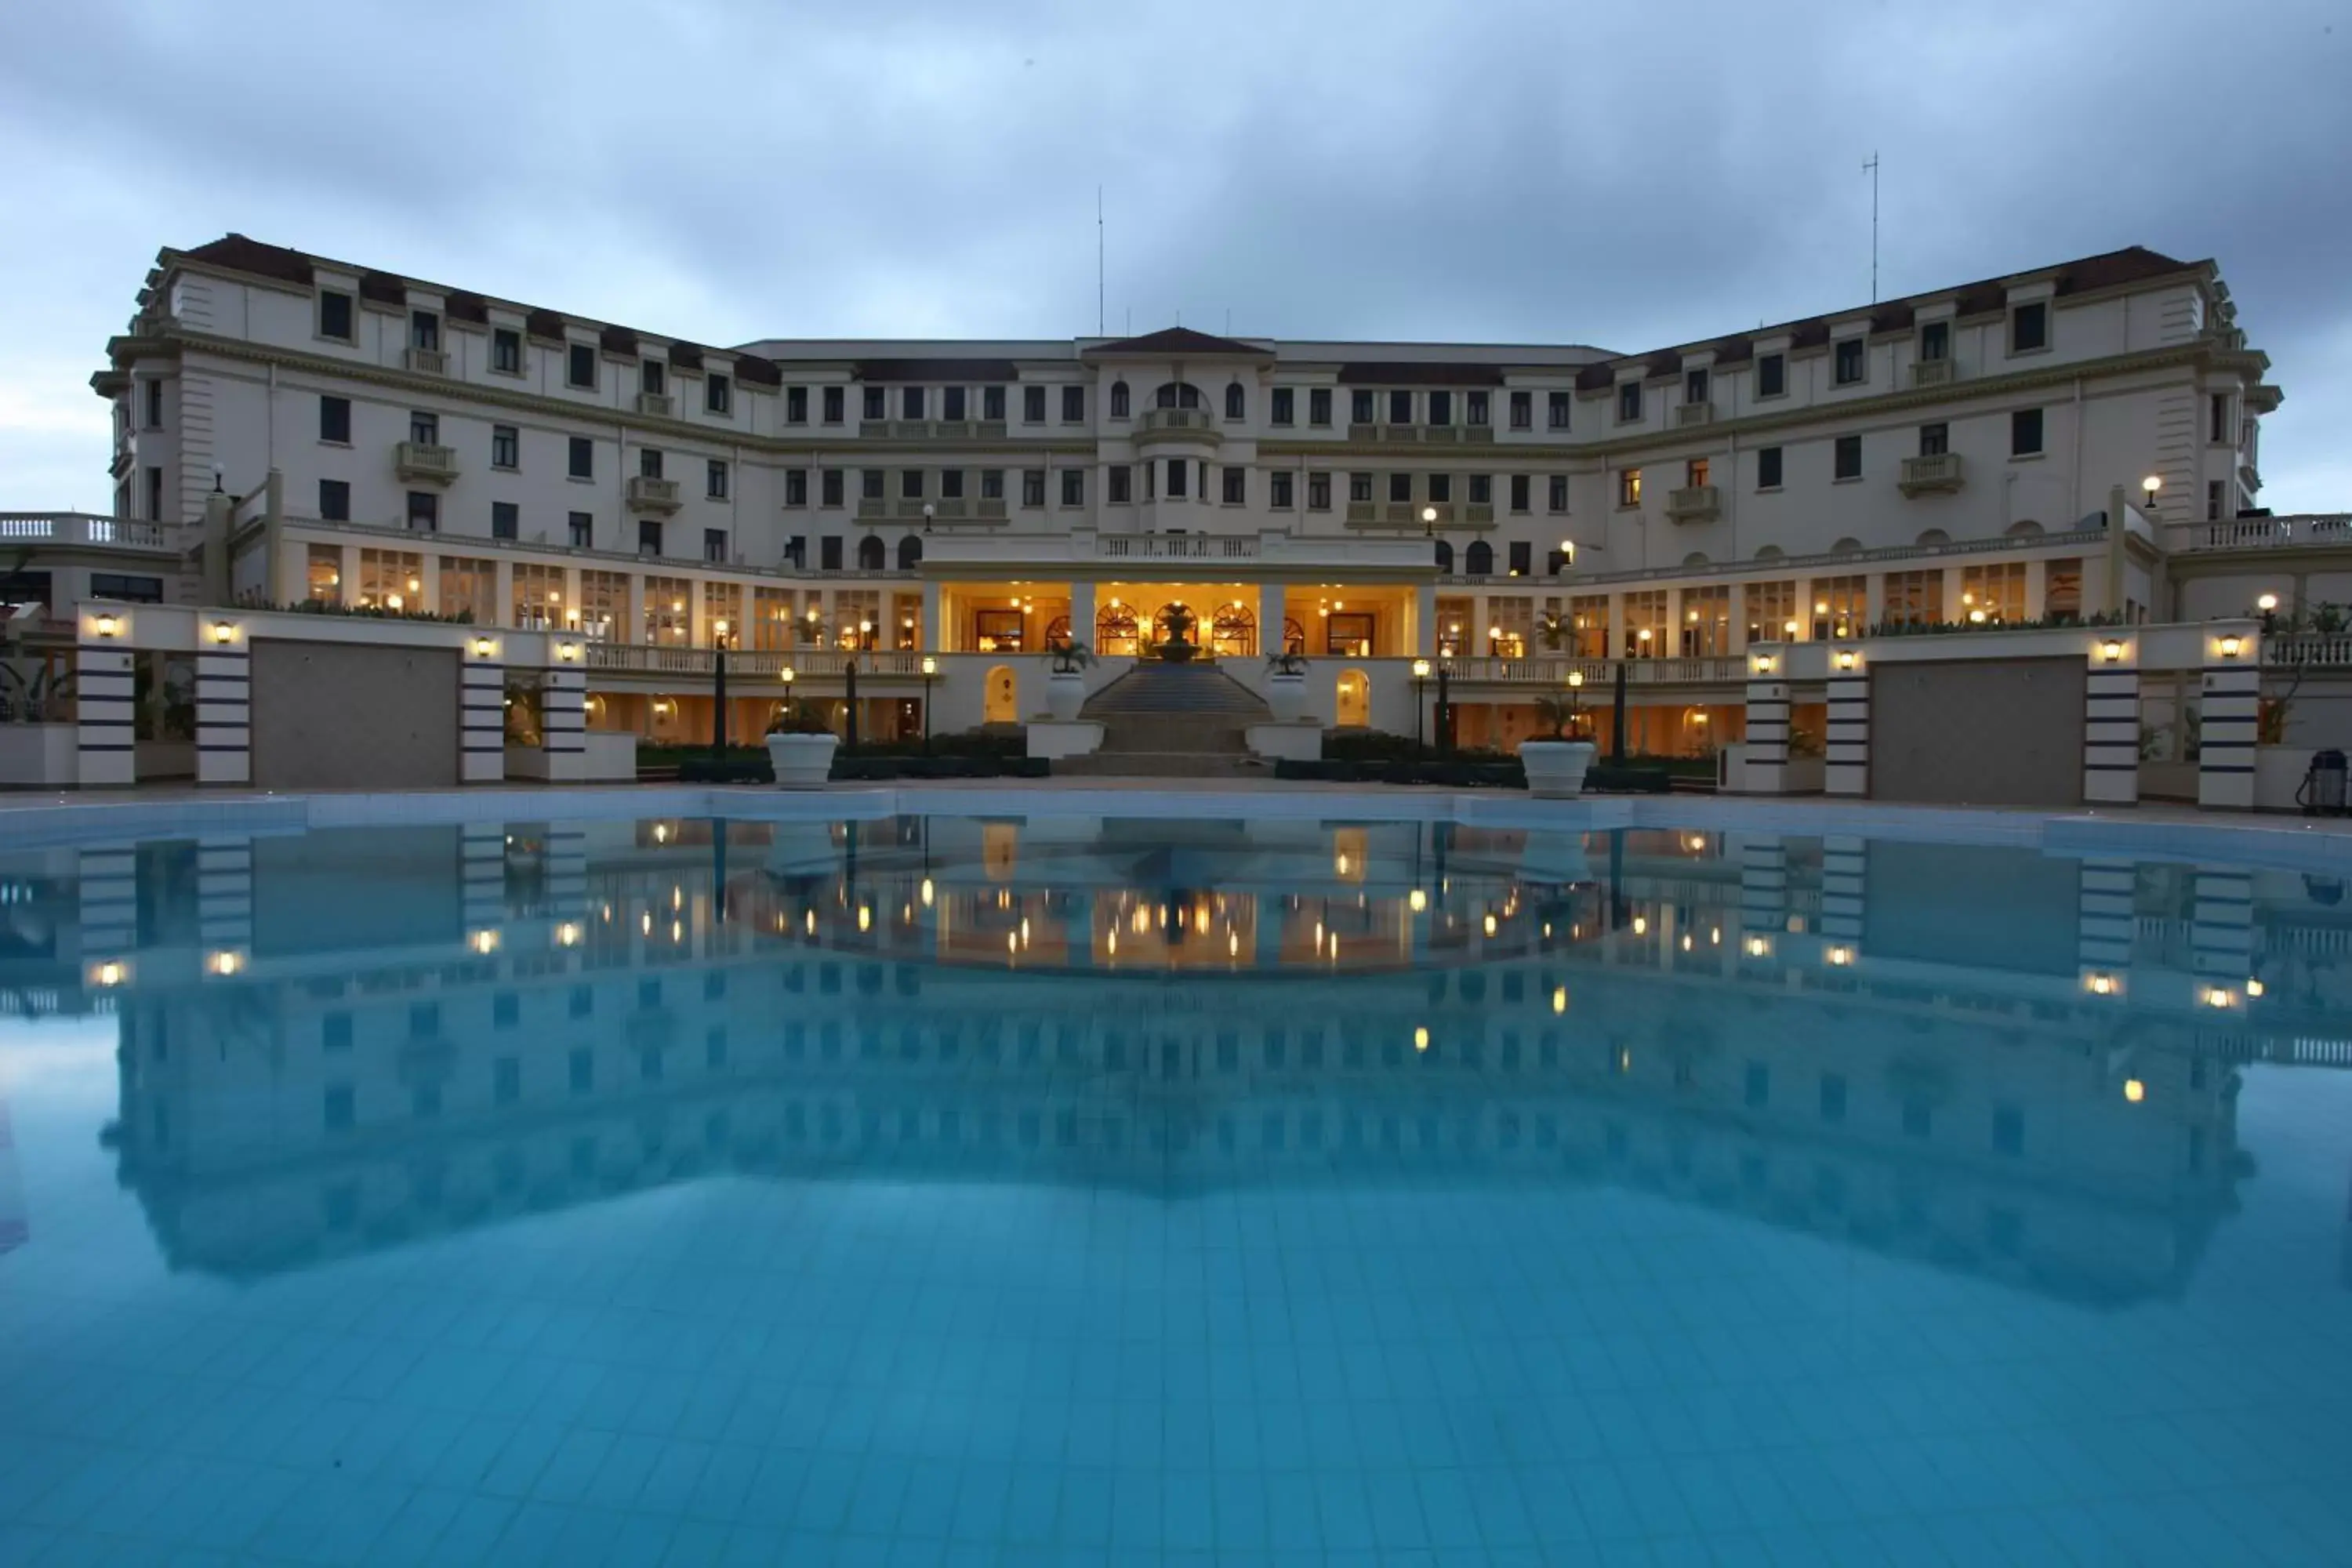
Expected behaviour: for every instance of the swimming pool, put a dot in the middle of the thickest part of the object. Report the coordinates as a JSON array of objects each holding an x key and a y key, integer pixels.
[{"x": 998, "y": 1189}]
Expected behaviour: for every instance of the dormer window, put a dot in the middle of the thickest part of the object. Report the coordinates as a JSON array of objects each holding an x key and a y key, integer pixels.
[
  {"x": 1628, "y": 402},
  {"x": 652, "y": 378},
  {"x": 1850, "y": 364},
  {"x": 2029, "y": 328},
  {"x": 424, "y": 331},
  {"x": 1934, "y": 343},
  {"x": 1771, "y": 376},
  {"x": 1695, "y": 388},
  {"x": 335, "y": 314}
]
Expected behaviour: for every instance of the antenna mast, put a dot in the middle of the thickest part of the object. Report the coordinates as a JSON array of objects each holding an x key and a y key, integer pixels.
[
  {"x": 1871, "y": 169},
  {"x": 1098, "y": 262}
]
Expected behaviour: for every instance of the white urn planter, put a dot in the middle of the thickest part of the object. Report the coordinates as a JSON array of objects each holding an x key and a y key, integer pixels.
[
  {"x": 1555, "y": 768},
  {"x": 1065, "y": 693},
  {"x": 802, "y": 761},
  {"x": 1286, "y": 697}
]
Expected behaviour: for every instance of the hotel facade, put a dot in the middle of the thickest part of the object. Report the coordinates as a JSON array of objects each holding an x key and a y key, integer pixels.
[{"x": 2073, "y": 444}]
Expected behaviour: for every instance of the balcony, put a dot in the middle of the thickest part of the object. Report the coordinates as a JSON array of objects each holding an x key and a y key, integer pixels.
[
  {"x": 1174, "y": 421},
  {"x": 656, "y": 405},
  {"x": 1691, "y": 413},
  {"x": 74, "y": 528},
  {"x": 1478, "y": 514},
  {"x": 418, "y": 463},
  {"x": 2321, "y": 529},
  {"x": 650, "y": 494},
  {"x": 1938, "y": 473},
  {"x": 1363, "y": 511},
  {"x": 1931, "y": 373},
  {"x": 873, "y": 510},
  {"x": 1695, "y": 503},
  {"x": 932, "y": 429},
  {"x": 426, "y": 362}
]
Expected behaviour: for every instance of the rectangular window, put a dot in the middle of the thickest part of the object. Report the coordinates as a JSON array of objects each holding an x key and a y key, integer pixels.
[
  {"x": 1645, "y": 624},
  {"x": 1935, "y": 343},
  {"x": 714, "y": 544},
  {"x": 1768, "y": 468},
  {"x": 1283, "y": 401},
  {"x": 582, "y": 530},
  {"x": 1400, "y": 487},
  {"x": 535, "y": 595},
  {"x": 831, "y": 491},
  {"x": 424, "y": 512},
  {"x": 1074, "y": 407},
  {"x": 796, "y": 486},
  {"x": 1319, "y": 490},
  {"x": 910, "y": 484},
  {"x": 1850, "y": 362},
  {"x": 1440, "y": 487},
  {"x": 2061, "y": 589},
  {"x": 1478, "y": 408},
  {"x": 506, "y": 520},
  {"x": 718, "y": 393},
  {"x": 154, "y": 492},
  {"x": 390, "y": 579},
  {"x": 992, "y": 484},
  {"x": 714, "y": 478},
  {"x": 1522, "y": 558},
  {"x": 323, "y": 574},
  {"x": 580, "y": 367},
  {"x": 1845, "y": 462},
  {"x": 2217, "y": 426},
  {"x": 335, "y": 420},
  {"x": 425, "y": 429},
  {"x": 335, "y": 314},
  {"x": 954, "y": 403},
  {"x": 154, "y": 385},
  {"x": 1400, "y": 407},
  {"x": 666, "y": 617},
  {"x": 992, "y": 404},
  {"x": 1319, "y": 406},
  {"x": 649, "y": 462},
  {"x": 335, "y": 500},
  {"x": 1440, "y": 408},
  {"x": 1694, "y": 472},
  {"x": 1694, "y": 387},
  {"x": 1177, "y": 467},
  {"x": 1236, "y": 485},
  {"x": 1523, "y": 410},
  {"x": 604, "y": 596},
  {"x": 652, "y": 378},
  {"x": 1033, "y": 405},
  {"x": 1520, "y": 490},
  {"x": 1629, "y": 486},
  {"x": 1771, "y": 376},
  {"x": 1556, "y": 492},
  {"x": 1935, "y": 439},
  {"x": 425, "y": 331},
  {"x": 877, "y": 402},
  {"x": 1362, "y": 407},
  {"x": 1359, "y": 486},
  {"x": 2215, "y": 493},
  {"x": 1557, "y": 404},
  {"x": 1915, "y": 598},
  {"x": 836, "y": 399},
  {"x": 1032, "y": 486},
  {"x": 469, "y": 589},
  {"x": 1280, "y": 489},
  {"x": 2029, "y": 328},
  {"x": 1840, "y": 605},
  {"x": 796, "y": 405},
  {"x": 828, "y": 553},
  {"x": 506, "y": 447},
  {"x": 1482, "y": 490},
  {"x": 506, "y": 351},
  {"x": 1628, "y": 402},
  {"x": 1706, "y": 622},
  {"x": 649, "y": 537},
  {"x": 2025, "y": 432},
  {"x": 1771, "y": 610},
  {"x": 1994, "y": 593},
  {"x": 1121, "y": 483},
  {"x": 871, "y": 483},
  {"x": 910, "y": 403},
  {"x": 1074, "y": 487}
]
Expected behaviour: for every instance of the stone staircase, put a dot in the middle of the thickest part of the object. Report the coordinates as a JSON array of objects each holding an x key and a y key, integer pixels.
[{"x": 1170, "y": 721}]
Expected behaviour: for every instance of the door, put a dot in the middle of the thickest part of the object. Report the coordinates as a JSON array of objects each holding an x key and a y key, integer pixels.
[
  {"x": 1989, "y": 732},
  {"x": 352, "y": 715}
]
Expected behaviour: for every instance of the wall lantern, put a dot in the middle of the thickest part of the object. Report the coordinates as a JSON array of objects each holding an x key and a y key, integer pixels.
[
  {"x": 931, "y": 665},
  {"x": 224, "y": 631},
  {"x": 2229, "y": 646},
  {"x": 106, "y": 625},
  {"x": 2111, "y": 650},
  {"x": 2149, "y": 485},
  {"x": 1763, "y": 664},
  {"x": 1845, "y": 659},
  {"x": 484, "y": 648},
  {"x": 567, "y": 651}
]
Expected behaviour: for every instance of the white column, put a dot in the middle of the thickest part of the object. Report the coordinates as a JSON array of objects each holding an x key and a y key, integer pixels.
[
  {"x": 107, "y": 723},
  {"x": 563, "y": 713},
  {"x": 1767, "y": 720},
  {"x": 224, "y": 704},
  {"x": 1846, "y": 761},
  {"x": 2111, "y": 725},
  {"x": 933, "y": 639},
  {"x": 1273, "y": 606},
  {"x": 1424, "y": 621},
  {"x": 224, "y": 903},
  {"x": 2230, "y": 703},
  {"x": 481, "y": 714}
]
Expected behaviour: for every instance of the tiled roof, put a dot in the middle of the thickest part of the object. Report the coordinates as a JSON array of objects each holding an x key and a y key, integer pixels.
[
  {"x": 383, "y": 288},
  {"x": 240, "y": 254},
  {"x": 1180, "y": 340}
]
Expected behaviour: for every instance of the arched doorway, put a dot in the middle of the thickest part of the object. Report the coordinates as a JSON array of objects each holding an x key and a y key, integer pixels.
[
  {"x": 871, "y": 556},
  {"x": 1115, "y": 632},
  {"x": 1000, "y": 701},
  {"x": 1352, "y": 703},
  {"x": 910, "y": 553},
  {"x": 1232, "y": 631},
  {"x": 1163, "y": 622}
]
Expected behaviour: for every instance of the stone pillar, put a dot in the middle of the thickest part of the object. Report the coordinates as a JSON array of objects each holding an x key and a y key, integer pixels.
[
  {"x": 481, "y": 712},
  {"x": 633, "y": 625},
  {"x": 2230, "y": 701},
  {"x": 1763, "y": 886},
  {"x": 501, "y": 592},
  {"x": 224, "y": 903},
  {"x": 1082, "y": 612},
  {"x": 567, "y": 869},
  {"x": 2221, "y": 936},
  {"x": 1273, "y": 606},
  {"x": 564, "y": 712},
  {"x": 1616, "y": 625},
  {"x": 106, "y": 887},
  {"x": 1767, "y": 720},
  {"x": 103, "y": 684},
  {"x": 482, "y": 872},
  {"x": 932, "y": 639},
  {"x": 2105, "y": 919},
  {"x": 1423, "y": 643},
  {"x": 1844, "y": 869},
  {"x": 1845, "y": 769},
  {"x": 223, "y": 703},
  {"x": 2111, "y": 723}
]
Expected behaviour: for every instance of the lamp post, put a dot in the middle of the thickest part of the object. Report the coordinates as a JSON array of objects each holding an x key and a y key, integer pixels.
[
  {"x": 1428, "y": 521},
  {"x": 2148, "y": 488},
  {"x": 1444, "y": 707},
  {"x": 1575, "y": 699},
  {"x": 1420, "y": 692},
  {"x": 856, "y": 651},
  {"x": 930, "y": 668},
  {"x": 929, "y": 512}
]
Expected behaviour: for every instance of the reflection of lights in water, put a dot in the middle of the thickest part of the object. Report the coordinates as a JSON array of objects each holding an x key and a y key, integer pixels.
[
  {"x": 1640, "y": 925},
  {"x": 109, "y": 974},
  {"x": 1490, "y": 925},
  {"x": 1024, "y": 928},
  {"x": 1686, "y": 942},
  {"x": 661, "y": 833},
  {"x": 486, "y": 940},
  {"x": 2253, "y": 988},
  {"x": 1011, "y": 942},
  {"x": 1418, "y": 900},
  {"x": 2135, "y": 1091},
  {"x": 1715, "y": 936},
  {"x": 1560, "y": 998},
  {"x": 608, "y": 914},
  {"x": 1114, "y": 939},
  {"x": 676, "y": 932},
  {"x": 567, "y": 935},
  {"x": 225, "y": 962},
  {"x": 1421, "y": 1039},
  {"x": 865, "y": 918},
  {"x": 1624, "y": 1059},
  {"x": 810, "y": 927},
  {"x": 677, "y": 897},
  {"x": 1201, "y": 920},
  {"x": 1840, "y": 956},
  {"x": 1757, "y": 947},
  {"x": 927, "y": 893}
]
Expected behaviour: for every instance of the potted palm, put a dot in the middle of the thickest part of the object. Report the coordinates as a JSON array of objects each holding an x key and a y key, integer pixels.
[
  {"x": 800, "y": 748},
  {"x": 1286, "y": 685},
  {"x": 1066, "y": 684},
  {"x": 1555, "y": 764}
]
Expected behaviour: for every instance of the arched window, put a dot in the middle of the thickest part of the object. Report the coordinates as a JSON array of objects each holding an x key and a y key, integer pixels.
[
  {"x": 1236, "y": 401},
  {"x": 1232, "y": 631},
  {"x": 1479, "y": 559},
  {"x": 1935, "y": 536},
  {"x": 1769, "y": 552},
  {"x": 1445, "y": 556},
  {"x": 1119, "y": 400},
  {"x": 871, "y": 553},
  {"x": 1696, "y": 558},
  {"x": 1178, "y": 395},
  {"x": 1115, "y": 632},
  {"x": 1847, "y": 546},
  {"x": 1294, "y": 637},
  {"x": 1164, "y": 618},
  {"x": 1058, "y": 632},
  {"x": 910, "y": 553},
  {"x": 2024, "y": 527},
  {"x": 1352, "y": 700}
]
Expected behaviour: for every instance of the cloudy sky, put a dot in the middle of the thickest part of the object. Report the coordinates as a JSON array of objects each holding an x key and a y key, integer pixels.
[{"x": 1625, "y": 175}]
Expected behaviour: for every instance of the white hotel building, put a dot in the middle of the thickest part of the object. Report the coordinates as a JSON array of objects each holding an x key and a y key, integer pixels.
[{"x": 304, "y": 429}]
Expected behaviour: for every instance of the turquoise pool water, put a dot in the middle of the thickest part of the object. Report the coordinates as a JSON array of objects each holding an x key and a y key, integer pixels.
[{"x": 996, "y": 1192}]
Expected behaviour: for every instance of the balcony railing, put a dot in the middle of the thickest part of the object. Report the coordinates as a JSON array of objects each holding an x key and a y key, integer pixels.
[
  {"x": 1931, "y": 373},
  {"x": 2263, "y": 532},
  {"x": 1176, "y": 547},
  {"x": 1691, "y": 413},
  {"x": 932, "y": 429},
  {"x": 84, "y": 529},
  {"x": 2308, "y": 652},
  {"x": 805, "y": 663},
  {"x": 647, "y": 493},
  {"x": 659, "y": 405},
  {"x": 1694, "y": 503},
  {"x": 1599, "y": 674},
  {"x": 417, "y": 460},
  {"x": 426, "y": 362},
  {"x": 1169, "y": 420},
  {"x": 1937, "y": 472}
]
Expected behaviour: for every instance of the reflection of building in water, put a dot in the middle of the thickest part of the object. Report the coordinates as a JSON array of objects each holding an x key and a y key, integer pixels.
[
  {"x": 15, "y": 1223},
  {"x": 323, "y": 1095}
]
